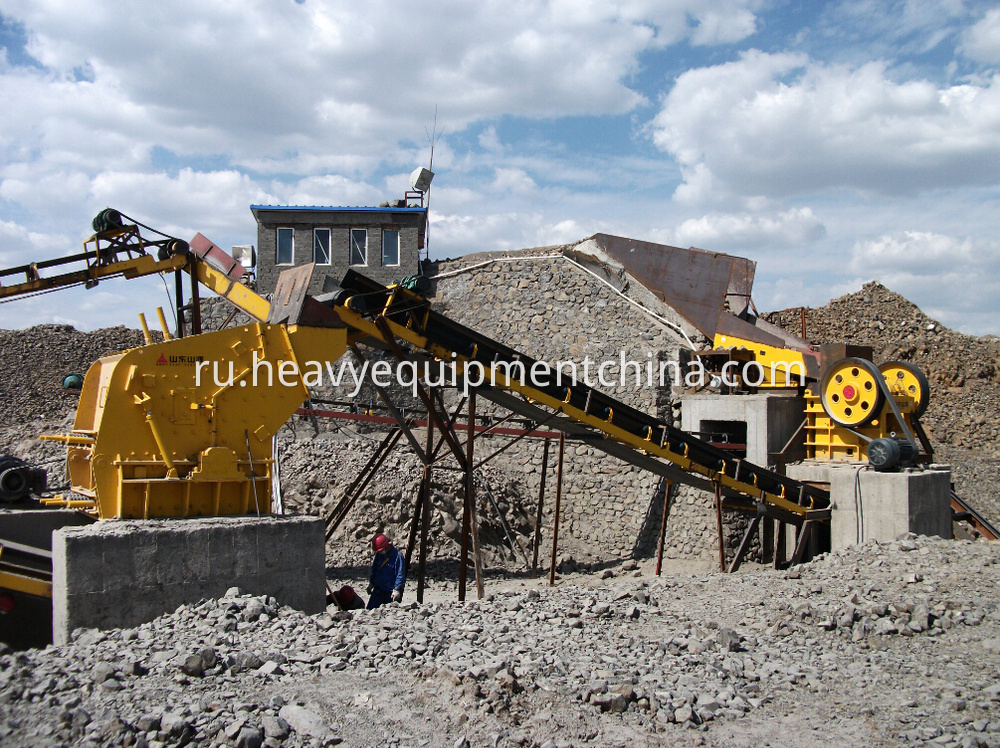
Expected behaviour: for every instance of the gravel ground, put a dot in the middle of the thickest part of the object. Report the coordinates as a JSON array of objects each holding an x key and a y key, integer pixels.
[{"x": 879, "y": 645}]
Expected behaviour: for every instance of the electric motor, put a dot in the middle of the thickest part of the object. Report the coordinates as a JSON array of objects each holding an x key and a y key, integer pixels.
[
  {"x": 889, "y": 454},
  {"x": 18, "y": 479}
]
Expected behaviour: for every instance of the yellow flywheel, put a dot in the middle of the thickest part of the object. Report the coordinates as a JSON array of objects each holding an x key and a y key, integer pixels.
[
  {"x": 851, "y": 393},
  {"x": 903, "y": 378}
]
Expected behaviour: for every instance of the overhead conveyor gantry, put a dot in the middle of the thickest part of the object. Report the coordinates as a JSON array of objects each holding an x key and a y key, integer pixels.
[{"x": 382, "y": 314}]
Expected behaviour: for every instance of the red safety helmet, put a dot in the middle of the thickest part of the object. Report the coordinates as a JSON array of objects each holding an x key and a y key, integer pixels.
[
  {"x": 380, "y": 542},
  {"x": 346, "y": 594}
]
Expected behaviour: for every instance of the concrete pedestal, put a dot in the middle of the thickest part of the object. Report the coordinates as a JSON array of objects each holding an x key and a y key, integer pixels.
[
  {"x": 769, "y": 421},
  {"x": 882, "y": 506},
  {"x": 118, "y": 574}
]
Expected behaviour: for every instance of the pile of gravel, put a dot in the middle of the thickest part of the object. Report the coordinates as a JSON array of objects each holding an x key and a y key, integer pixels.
[{"x": 36, "y": 360}]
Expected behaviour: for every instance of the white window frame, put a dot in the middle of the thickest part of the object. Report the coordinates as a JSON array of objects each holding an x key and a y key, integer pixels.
[
  {"x": 277, "y": 245},
  {"x": 316, "y": 233},
  {"x": 390, "y": 264},
  {"x": 350, "y": 250}
]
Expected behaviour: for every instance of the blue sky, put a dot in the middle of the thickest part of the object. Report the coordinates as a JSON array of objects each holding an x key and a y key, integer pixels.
[{"x": 833, "y": 143}]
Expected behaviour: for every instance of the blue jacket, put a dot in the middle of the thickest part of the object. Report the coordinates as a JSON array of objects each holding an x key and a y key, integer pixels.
[{"x": 389, "y": 570}]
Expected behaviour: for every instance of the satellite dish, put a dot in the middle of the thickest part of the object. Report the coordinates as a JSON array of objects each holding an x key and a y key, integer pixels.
[
  {"x": 421, "y": 178},
  {"x": 245, "y": 255}
]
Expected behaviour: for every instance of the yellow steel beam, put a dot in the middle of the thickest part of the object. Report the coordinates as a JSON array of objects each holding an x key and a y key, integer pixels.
[
  {"x": 28, "y": 585},
  {"x": 68, "y": 439},
  {"x": 19, "y": 582},
  {"x": 787, "y": 361},
  {"x": 235, "y": 292},
  {"x": 133, "y": 267}
]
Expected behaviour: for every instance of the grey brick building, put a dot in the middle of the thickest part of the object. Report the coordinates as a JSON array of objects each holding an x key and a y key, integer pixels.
[{"x": 381, "y": 243}]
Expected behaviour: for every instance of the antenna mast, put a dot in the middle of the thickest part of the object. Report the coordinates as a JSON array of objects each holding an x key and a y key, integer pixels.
[{"x": 432, "y": 138}]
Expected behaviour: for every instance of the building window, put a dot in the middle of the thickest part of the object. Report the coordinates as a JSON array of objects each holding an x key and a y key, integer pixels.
[
  {"x": 321, "y": 246},
  {"x": 359, "y": 246},
  {"x": 286, "y": 247},
  {"x": 390, "y": 247}
]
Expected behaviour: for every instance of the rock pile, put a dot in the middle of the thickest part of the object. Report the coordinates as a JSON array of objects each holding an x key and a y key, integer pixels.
[
  {"x": 36, "y": 360},
  {"x": 32, "y": 401},
  {"x": 878, "y": 645}
]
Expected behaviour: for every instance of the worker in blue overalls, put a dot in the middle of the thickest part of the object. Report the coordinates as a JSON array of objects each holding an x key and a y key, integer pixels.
[{"x": 388, "y": 573}]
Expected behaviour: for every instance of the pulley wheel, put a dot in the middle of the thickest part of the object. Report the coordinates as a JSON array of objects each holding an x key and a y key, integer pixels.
[
  {"x": 904, "y": 378},
  {"x": 173, "y": 247},
  {"x": 851, "y": 392}
]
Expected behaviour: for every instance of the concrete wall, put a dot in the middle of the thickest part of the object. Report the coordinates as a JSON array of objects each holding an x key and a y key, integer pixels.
[
  {"x": 890, "y": 504},
  {"x": 408, "y": 223},
  {"x": 118, "y": 574},
  {"x": 771, "y": 419}
]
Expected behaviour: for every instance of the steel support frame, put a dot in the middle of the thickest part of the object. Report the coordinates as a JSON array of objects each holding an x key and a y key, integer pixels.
[
  {"x": 663, "y": 525},
  {"x": 555, "y": 512},
  {"x": 536, "y": 541},
  {"x": 423, "y": 515},
  {"x": 745, "y": 543},
  {"x": 470, "y": 520},
  {"x": 361, "y": 482},
  {"x": 179, "y": 303},
  {"x": 466, "y": 461},
  {"x": 717, "y": 487}
]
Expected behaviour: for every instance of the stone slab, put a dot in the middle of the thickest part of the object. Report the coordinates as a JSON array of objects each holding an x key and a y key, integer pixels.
[{"x": 118, "y": 574}]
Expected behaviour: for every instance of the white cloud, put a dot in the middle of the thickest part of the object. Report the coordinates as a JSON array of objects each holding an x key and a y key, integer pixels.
[
  {"x": 928, "y": 268},
  {"x": 490, "y": 141},
  {"x": 452, "y": 198},
  {"x": 982, "y": 41},
  {"x": 728, "y": 231},
  {"x": 259, "y": 79},
  {"x": 281, "y": 91},
  {"x": 19, "y": 245},
  {"x": 513, "y": 180},
  {"x": 921, "y": 252},
  {"x": 331, "y": 190},
  {"x": 724, "y": 25},
  {"x": 564, "y": 232},
  {"x": 781, "y": 124},
  {"x": 52, "y": 191},
  {"x": 190, "y": 202},
  {"x": 452, "y": 235}
]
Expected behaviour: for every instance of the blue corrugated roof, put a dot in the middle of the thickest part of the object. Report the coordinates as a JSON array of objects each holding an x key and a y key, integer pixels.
[{"x": 353, "y": 209}]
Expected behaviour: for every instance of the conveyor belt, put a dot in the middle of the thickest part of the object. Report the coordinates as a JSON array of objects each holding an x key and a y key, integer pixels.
[
  {"x": 586, "y": 413},
  {"x": 962, "y": 510}
]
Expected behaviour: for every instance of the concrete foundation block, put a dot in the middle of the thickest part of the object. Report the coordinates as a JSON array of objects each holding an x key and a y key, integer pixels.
[
  {"x": 882, "y": 506},
  {"x": 767, "y": 420},
  {"x": 118, "y": 574}
]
